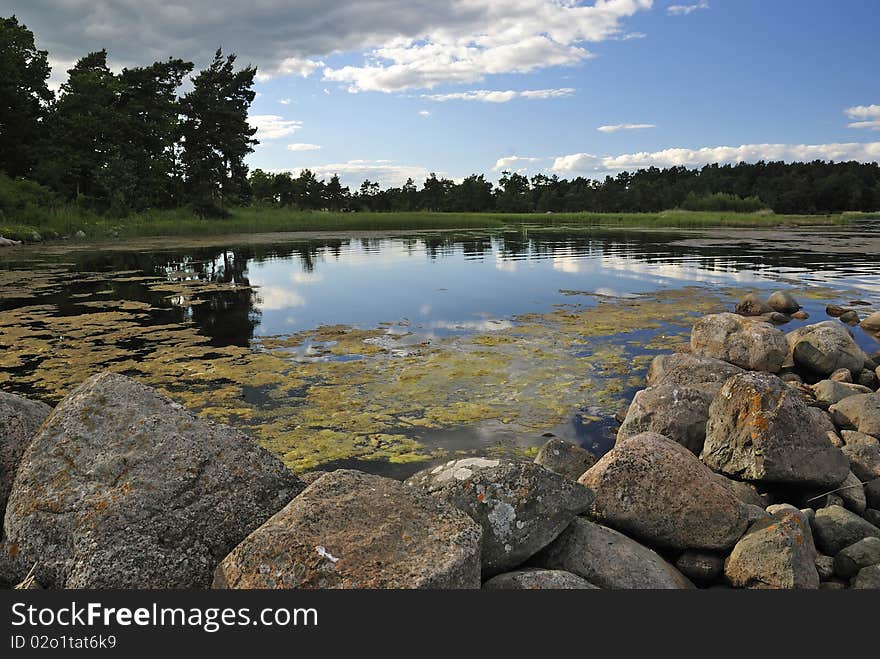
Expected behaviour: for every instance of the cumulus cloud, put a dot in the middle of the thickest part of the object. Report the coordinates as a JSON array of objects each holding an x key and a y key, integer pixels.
[
  {"x": 285, "y": 101},
  {"x": 865, "y": 116},
  {"x": 424, "y": 113},
  {"x": 353, "y": 172},
  {"x": 272, "y": 126},
  {"x": 487, "y": 96},
  {"x": 684, "y": 10},
  {"x": 614, "y": 128},
  {"x": 588, "y": 163},
  {"x": 510, "y": 162},
  {"x": 301, "y": 146},
  {"x": 408, "y": 44}
]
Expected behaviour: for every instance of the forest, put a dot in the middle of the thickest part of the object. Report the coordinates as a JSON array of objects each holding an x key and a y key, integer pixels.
[{"x": 122, "y": 143}]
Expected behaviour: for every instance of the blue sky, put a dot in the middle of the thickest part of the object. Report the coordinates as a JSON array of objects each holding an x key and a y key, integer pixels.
[{"x": 357, "y": 88}]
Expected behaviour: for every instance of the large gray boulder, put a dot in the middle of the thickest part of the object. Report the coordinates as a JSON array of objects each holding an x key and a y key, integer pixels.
[
  {"x": 752, "y": 305},
  {"x": 825, "y": 347},
  {"x": 354, "y": 530},
  {"x": 852, "y": 492},
  {"x": 609, "y": 559},
  {"x": 860, "y": 412},
  {"x": 685, "y": 368},
  {"x": 521, "y": 506},
  {"x": 868, "y": 578},
  {"x": 863, "y": 453},
  {"x": 123, "y": 488},
  {"x": 836, "y": 527},
  {"x": 538, "y": 579},
  {"x": 747, "y": 343},
  {"x": 20, "y": 419},
  {"x": 654, "y": 489},
  {"x": 564, "y": 458},
  {"x": 774, "y": 553},
  {"x": 830, "y": 392},
  {"x": 759, "y": 429},
  {"x": 858, "y": 555},
  {"x": 674, "y": 411}
]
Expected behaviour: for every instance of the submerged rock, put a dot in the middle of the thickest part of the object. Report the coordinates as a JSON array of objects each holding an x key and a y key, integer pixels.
[
  {"x": 759, "y": 429},
  {"x": 684, "y": 368},
  {"x": 564, "y": 458},
  {"x": 674, "y": 411},
  {"x": 654, "y": 489},
  {"x": 609, "y": 559},
  {"x": 774, "y": 553},
  {"x": 746, "y": 343},
  {"x": 123, "y": 488},
  {"x": 349, "y": 529},
  {"x": 521, "y": 506},
  {"x": 538, "y": 579},
  {"x": 20, "y": 419},
  {"x": 783, "y": 301},
  {"x": 824, "y": 348}
]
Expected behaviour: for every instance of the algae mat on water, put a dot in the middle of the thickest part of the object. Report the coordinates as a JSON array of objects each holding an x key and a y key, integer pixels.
[{"x": 341, "y": 393}]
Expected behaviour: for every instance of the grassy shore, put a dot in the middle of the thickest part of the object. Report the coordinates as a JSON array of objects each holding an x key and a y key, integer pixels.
[{"x": 181, "y": 222}]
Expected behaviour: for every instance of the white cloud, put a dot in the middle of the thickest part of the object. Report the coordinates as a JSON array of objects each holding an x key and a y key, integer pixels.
[
  {"x": 272, "y": 126},
  {"x": 509, "y": 162},
  {"x": 300, "y": 146},
  {"x": 614, "y": 128},
  {"x": 588, "y": 163},
  {"x": 300, "y": 66},
  {"x": 284, "y": 101},
  {"x": 866, "y": 116},
  {"x": 487, "y": 96},
  {"x": 684, "y": 10},
  {"x": 275, "y": 298},
  {"x": 353, "y": 172},
  {"x": 424, "y": 113}
]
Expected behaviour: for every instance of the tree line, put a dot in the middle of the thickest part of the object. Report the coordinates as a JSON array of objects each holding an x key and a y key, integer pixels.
[{"x": 119, "y": 143}]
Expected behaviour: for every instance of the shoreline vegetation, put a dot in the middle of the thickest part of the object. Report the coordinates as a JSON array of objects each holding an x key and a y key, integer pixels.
[{"x": 66, "y": 223}]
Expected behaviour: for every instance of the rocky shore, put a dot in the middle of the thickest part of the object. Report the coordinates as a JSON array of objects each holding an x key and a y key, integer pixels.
[{"x": 750, "y": 460}]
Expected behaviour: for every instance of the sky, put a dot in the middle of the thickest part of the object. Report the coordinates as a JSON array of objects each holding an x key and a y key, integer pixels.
[{"x": 391, "y": 89}]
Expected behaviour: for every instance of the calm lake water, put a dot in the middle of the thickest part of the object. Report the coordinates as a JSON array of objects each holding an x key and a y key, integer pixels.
[{"x": 392, "y": 352}]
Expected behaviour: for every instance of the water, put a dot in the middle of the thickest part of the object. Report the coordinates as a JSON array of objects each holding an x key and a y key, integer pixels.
[{"x": 392, "y": 352}]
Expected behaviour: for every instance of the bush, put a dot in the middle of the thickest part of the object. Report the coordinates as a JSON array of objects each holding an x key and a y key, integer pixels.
[{"x": 722, "y": 202}]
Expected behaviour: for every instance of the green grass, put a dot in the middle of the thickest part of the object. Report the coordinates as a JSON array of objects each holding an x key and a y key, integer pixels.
[{"x": 66, "y": 221}]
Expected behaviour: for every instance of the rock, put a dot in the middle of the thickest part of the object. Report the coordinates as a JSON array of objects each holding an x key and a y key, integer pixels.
[
  {"x": 863, "y": 453},
  {"x": 684, "y": 368},
  {"x": 564, "y": 458},
  {"x": 867, "y": 378},
  {"x": 872, "y": 516},
  {"x": 868, "y": 578},
  {"x": 609, "y": 559},
  {"x": 783, "y": 301},
  {"x": 775, "y": 318},
  {"x": 752, "y": 305},
  {"x": 805, "y": 522},
  {"x": 310, "y": 477},
  {"x": 746, "y": 343},
  {"x": 745, "y": 492},
  {"x": 79, "y": 235},
  {"x": 354, "y": 530},
  {"x": 871, "y": 323},
  {"x": 825, "y": 567},
  {"x": 774, "y": 553},
  {"x": 835, "y": 310},
  {"x": 20, "y": 419},
  {"x": 675, "y": 411},
  {"x": 858, "y": 555},
  {"x": 699, "y": 566},
  {"x": 836, "y": 527},
  {"x": 824, "y": 348},
  {"x": 821, "y": 420},
  {"x": 872, "y": 493},
  {"x": 6, "y": 242},
  {"x": 832, "y": 584},
  {"x": 538, "y": 579},
  {"x": 759, "y": 429},
  {"x": 521, "y": 506},
  {"x": 852, "y": 492},
  {"x": 793, "y": 378},
  {"x": 655, "y": 489},
  {"x": 831, "y": 392},
  {"x": 841, "y": 375},
  {"x": 800, "y": 315},
  {"x": 123, "y": 488},
  {"x": 850, "y": 317}
]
